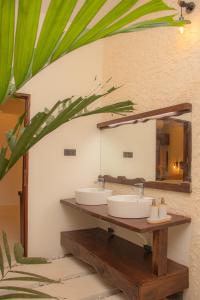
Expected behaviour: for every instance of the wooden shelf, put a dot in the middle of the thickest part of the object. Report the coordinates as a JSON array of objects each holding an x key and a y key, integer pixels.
[
  {"x": 125, "y": 265},
  {"x": 138, "y": 225}
]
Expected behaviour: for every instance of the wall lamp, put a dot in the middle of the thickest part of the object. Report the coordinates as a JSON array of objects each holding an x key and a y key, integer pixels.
[{"x": 189, "y": 7}]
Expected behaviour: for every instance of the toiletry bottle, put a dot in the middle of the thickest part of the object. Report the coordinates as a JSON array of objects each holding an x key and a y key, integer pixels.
[
  {"x": 162, "y": 209},
  {"x": 154, "y": 211}
]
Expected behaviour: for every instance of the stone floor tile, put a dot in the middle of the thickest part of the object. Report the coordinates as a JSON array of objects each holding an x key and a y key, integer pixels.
[
  {"x": 84, "y": 288},
  {"x": 116, "y": 297},
  {"x": 63, "y": 268}
]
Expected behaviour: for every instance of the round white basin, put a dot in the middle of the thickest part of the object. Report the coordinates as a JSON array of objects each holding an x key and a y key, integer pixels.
[
  {"x": 129, "y": 206},
  {"x": 92, "y": 196}
]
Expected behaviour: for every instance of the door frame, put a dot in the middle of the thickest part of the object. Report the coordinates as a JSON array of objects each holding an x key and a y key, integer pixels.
[{"x": 25, "y": 168}]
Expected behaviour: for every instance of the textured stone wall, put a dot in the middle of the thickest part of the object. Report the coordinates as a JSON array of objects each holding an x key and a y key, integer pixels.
[{"x": 158, "y": 68}]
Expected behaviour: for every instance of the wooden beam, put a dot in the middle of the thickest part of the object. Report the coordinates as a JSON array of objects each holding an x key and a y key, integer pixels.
[{"x": 159, "y": 258}]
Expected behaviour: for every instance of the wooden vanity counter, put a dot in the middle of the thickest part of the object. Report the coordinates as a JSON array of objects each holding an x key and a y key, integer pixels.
[
  {"x": 140, "y": 275},
  {"x": 138, "y": 225}
]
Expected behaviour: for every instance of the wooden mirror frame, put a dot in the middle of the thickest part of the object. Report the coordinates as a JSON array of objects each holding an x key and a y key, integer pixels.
[{"x": 167, "y": 112}]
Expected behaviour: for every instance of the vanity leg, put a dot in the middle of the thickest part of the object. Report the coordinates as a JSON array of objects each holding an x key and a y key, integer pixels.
[
  {"x": 178, "y": 296},
  {"x": 159, "y": 256}
]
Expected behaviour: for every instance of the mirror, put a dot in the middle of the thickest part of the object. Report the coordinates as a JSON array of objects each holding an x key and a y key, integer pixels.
[{"x": 156, "y": 151}]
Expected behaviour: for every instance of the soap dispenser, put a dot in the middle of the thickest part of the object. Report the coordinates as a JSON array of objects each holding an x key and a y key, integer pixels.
[
  {"x": 154, "y": 211},
  {"x": 162, "y": 209}
]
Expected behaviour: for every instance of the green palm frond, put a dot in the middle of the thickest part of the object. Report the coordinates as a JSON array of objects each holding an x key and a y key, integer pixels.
[
  {"x": 19, "y": 256},
  {"x": 35, "y": 277},
  {"x": 25, "y": 52},
  {"x": 1, "y": 262},
  {"x": 7, "y": 21},
  {"x": 25, "y": 37},
  {"x": 6, "y": 248},
  {"x": 47, "y": 121},
  {"x": 24, "y": 293},
  {"x": 20, "y": 292},
  {"x": 51, "y": 34}
]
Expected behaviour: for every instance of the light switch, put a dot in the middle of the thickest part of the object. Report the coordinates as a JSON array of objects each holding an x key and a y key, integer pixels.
[
  {"x": 127, "y": 154},
  {"x": 69, "y": 152}
]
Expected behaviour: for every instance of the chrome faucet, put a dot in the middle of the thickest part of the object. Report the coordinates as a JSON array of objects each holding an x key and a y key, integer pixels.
[
  {"x": 140, "y": 186},
  {"x": 101, "y": 182}
]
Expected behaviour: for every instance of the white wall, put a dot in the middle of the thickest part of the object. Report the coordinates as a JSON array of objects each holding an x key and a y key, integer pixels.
[
  {"x": 51, "y": 175},
  {"x": 158, "y": 68}
]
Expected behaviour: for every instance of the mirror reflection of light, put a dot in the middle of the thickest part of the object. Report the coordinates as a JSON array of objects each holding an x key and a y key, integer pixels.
[{"x": 181, "y": 29}]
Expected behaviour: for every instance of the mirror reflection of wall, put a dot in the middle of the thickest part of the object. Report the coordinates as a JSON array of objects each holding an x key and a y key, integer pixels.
[
  {"x": 129, "y": 151},
  {"x": 156, "y": 150}
]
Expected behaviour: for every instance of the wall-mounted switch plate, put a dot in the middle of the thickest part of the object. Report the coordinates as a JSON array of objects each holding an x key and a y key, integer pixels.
[
  {"x": 69, "y": 152},
  {"x": 127, "y": 154}
]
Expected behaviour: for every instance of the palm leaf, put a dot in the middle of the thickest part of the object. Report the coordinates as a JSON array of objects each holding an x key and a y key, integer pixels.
[
  {"x": 19, "y": 123},
  {"x": 86, "y": 13},
  {"x": 146, "y": 9},
  {"x": 45, "y": 122},
  {"x": 28, "y": 293},
  {"x": 7, "y": 12},
  {"x": 1, "y": 262},
  {"x": 6, "y": 247},
  {"x": 26, "y": 135},
  {"x": 3, "y": 161},
  {"x": 11, "y": 139},
  {"x": 74, "y": 110},
  {"x": 30, "y": 57},
  {"x": 24, "y": 296},
  {"x": 39, "y": 277},
  {"x": 52, "y": 43},
  {"x": 118, "y": 108},
  {"x": 58, "y": 13},
  {"x": 27, "y": 278},
  {"x": 27, "y": 26},
  {"x": 119, "y": 10},
  {"x": 19, "y": 256},
  {"x": 158, "y": 22}
]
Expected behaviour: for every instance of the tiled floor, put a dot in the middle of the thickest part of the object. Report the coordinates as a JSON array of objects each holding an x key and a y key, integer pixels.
[{"x": 78, "y": 281}]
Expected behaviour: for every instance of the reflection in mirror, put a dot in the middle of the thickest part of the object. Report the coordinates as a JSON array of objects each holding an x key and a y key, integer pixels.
[
  {"x": 172, "y": 150},
  {"x": 158, "y": 150}
]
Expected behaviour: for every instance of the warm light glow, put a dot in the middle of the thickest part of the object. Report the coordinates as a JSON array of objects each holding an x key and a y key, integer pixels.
[
  {"x": 176, "y": 166},
  {"x": 181, "y": 29}
]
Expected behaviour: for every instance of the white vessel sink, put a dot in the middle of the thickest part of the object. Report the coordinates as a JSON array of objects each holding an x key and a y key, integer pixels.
[
  {"x": 92, "y": 196},
  {"x": 129, "y": 206}
]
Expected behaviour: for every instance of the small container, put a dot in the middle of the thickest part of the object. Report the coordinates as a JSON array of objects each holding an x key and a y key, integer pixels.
[
  {"x": 154, "y": 215},
  {"x": 163, "y": 209}
]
